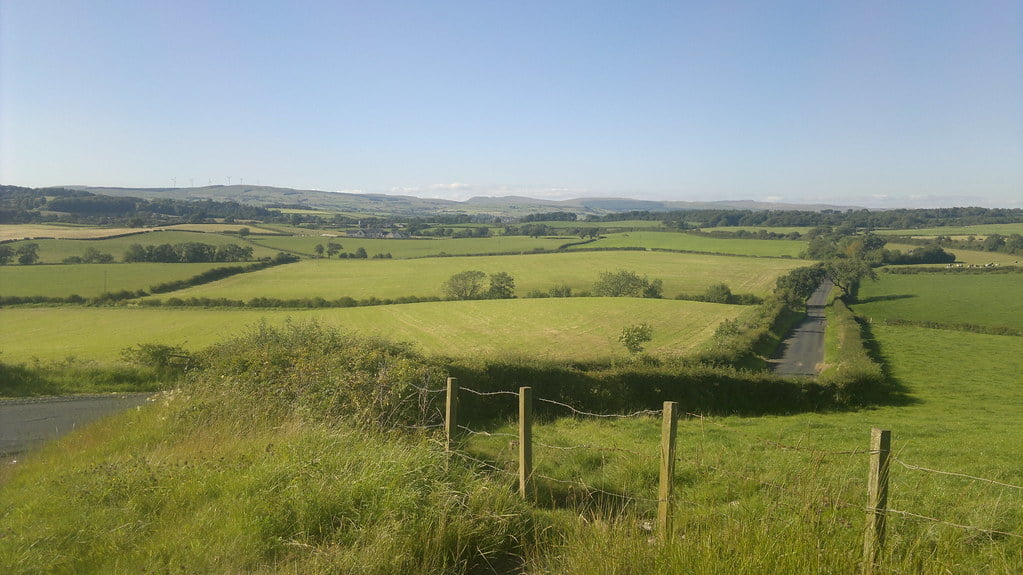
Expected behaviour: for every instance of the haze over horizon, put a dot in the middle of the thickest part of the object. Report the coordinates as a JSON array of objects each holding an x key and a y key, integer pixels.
[{"x": 909, "y": 105}]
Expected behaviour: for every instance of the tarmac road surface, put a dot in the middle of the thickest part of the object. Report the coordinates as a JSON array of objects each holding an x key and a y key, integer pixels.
[
  {"x": 803, "y": 351},
  {"x": 28, "y": 422}
]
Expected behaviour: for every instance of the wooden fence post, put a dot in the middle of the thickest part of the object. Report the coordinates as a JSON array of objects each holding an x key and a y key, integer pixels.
[
  {"x": 451, "y": 415},
  {"x": 665, "y": 505},
  {"x": 525, "y": 439},
  {"x": 877, "y": 498}
]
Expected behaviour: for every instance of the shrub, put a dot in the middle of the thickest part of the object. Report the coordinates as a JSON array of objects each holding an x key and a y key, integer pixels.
[{"x": 319, "y": 373}]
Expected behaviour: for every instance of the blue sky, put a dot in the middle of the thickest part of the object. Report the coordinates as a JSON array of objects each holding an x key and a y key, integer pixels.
[{"x": 851, "y": 103}]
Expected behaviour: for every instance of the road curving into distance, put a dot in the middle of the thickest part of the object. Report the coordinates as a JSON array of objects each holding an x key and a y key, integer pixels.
[
  {"x": 803, "y": 351},
  {"x": 28, "y": 422}
]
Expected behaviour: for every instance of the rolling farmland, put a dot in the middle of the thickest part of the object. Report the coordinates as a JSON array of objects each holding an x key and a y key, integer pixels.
[
  {"x": 330, "y": 279},
  {"x": 562, "y": 329}
]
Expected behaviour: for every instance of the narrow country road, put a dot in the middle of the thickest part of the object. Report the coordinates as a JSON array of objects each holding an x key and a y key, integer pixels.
[
  {"x": 28, "y": 422},
  {"x": 803, "y": 351}
]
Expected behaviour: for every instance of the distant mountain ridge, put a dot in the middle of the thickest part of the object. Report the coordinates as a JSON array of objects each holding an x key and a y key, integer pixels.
[{"x": 383, "y": 204}]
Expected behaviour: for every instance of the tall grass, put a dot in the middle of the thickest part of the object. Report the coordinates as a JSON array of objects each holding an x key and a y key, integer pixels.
[{"x": 290, "y": 452}]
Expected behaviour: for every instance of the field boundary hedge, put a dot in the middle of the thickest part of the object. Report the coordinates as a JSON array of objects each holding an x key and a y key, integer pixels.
[
  {"x": 967, "y": 327},
  {"x": 851, "y": 371}
]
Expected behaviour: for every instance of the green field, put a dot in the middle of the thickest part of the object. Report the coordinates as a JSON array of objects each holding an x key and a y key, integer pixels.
[
  {"x": 981, "y": 230},
  {"x": 574, "y": 329},
  {"x": 332, "y": 279},
  {"x": 414, "y": 248},
  {"x": 778, "y": 230},
  {"x": 992, "y": 299},
  {"x": 609, "y": 225},
  {"x": 974, "y": 257},
  {"x": 690, "y": 242},
  {"x": 90, "y": 280},
  {"x": 55, "y": 251}
]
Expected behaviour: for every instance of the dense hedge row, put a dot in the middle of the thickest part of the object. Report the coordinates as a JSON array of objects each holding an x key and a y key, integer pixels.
[
  {"x": 955, "y": 270},
  {"x": 850, "y": 370},
  {"x": 324, "y": 373}
]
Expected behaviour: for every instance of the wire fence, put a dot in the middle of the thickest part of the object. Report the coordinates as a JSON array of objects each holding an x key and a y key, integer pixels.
[{"x": 643, "y": 496}]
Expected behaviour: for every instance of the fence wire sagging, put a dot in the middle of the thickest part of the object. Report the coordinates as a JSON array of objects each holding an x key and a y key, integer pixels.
[{"x": 579, "y": 485}]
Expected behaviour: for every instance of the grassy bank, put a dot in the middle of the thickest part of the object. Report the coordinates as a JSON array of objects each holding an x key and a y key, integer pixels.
[{"x": 289, "y": 452}]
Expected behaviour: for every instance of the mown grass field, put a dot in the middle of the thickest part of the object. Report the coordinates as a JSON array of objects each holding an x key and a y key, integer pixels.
[
  {"x": 21, "y": 231},
  {"x": 331, "y": 279},
  {"x": 561, "y": 329},
  {"x": 56, "y": 250},
  {"x": 413, "y": 248},
  {"x": 90, "y": 280},
  {"x": 690, "y": 242},
  {"x": 987, "y": 299}
]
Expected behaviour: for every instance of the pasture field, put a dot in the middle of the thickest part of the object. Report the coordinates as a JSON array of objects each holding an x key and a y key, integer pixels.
[
  {"x": 754, "y": 229},
  {"x": 987, "y": 299},
  {"x": 56, "y": 250},
  {"x": 980, "y": 231},
  {"x": 360, "y": 279},
  {"x": 573, "y": 329},
  {"x": 974, "y": 257},
  {"x": 611, "y": 225},
  {"x": 90, "y": 280},
  {"x": 216, "y": 228},
  {"x": 73, "y": 232},
  {"x": 694, "y": 243},
  {"x": 413, "y": 248},
  {"x": 785, "y": 494}
]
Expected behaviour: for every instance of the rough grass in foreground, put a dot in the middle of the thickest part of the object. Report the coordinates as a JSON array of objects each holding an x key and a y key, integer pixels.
[
  {"x": 146, "y": 493},
  {"x": 212, "y": 481}
]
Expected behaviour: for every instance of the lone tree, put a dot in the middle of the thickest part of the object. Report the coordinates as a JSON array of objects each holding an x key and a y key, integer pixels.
[
  {"x": 502, "y": 286},
  {"x": 469, "y": 285},
  {"x": 634, "y": 336},
  {"x": 333, "y": 248},
  {"x": 28, "y": 253},
  {"x": 318, "y": 248},
  {"x": 846, "y": 273},
  {"x": 465, "y": 285},
  {"x": 623, "y": 283}
]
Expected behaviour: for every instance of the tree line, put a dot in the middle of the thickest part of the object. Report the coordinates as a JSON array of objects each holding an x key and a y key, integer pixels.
[{"x": 188, "y": 252}]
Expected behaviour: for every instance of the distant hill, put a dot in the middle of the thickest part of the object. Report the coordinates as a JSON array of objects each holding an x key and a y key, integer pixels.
[{"x": 383, "y": 205}]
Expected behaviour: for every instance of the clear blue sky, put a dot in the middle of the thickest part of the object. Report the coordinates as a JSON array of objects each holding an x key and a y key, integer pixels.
[{"x": 853, "y": 103}]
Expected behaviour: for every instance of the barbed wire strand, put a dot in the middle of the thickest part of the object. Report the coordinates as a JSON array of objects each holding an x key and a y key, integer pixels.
[
  {"x": 943, "y": 522},
  {"x": 486, "y": 393},
  {"x": 485, "y": 464},
  {"x": 777, "y": 444},
  {"x": 593, "y": 447},
  {"x": 605, "y": 415},
  {"x": 779, "y": 487},
  {"x": 954, "y": 474},
  {"x": 590, "y": 489},
  {"x": 426, "y": 389},
  {"x": 486, "y": 433}
]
